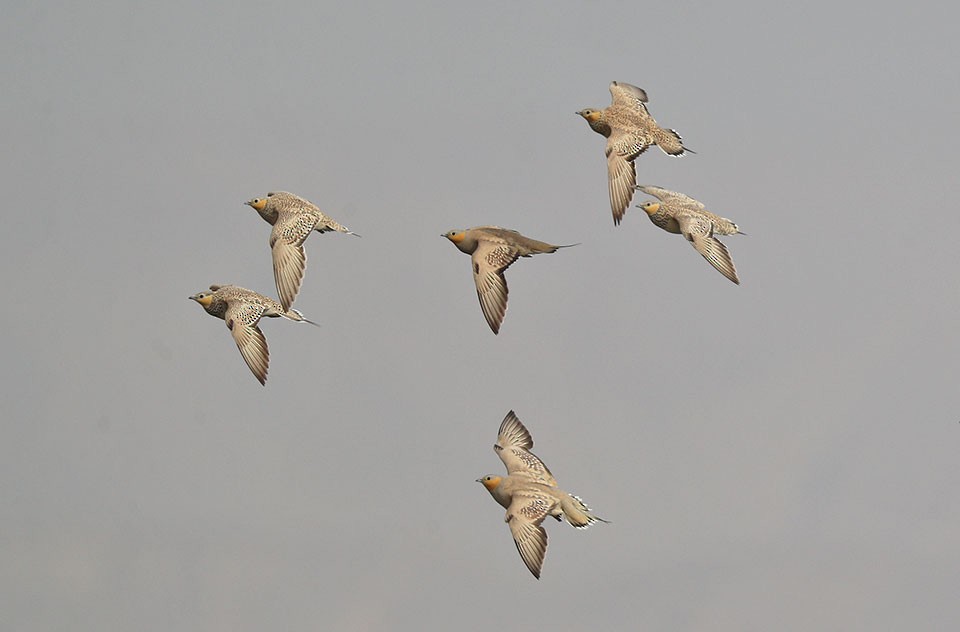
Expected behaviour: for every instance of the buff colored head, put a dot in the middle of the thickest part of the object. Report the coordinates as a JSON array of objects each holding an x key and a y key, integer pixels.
[
  {"x": 456, "y": 236},
  {"x": 590, "y": 114},
  {"x": 257, "y": 203},
  {"x": 650, "y": 207},
  {"x": 204, "y": 298},
  {"x": 490, "y": 481}
]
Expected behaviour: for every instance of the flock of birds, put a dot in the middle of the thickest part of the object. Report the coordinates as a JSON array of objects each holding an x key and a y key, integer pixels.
[{"x": 528, "y": 492}]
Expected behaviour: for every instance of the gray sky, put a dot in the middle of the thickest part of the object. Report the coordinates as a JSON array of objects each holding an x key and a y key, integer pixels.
[{"x": 779, "y": 455}]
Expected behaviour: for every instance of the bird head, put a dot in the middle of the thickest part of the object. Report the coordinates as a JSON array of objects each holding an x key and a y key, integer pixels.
[
  {"x": 257, "y": 203},
  {"x": 456, "y": 236},
  {"x": 204, "y": 298},
  {"x": 590, "y": 114},
  {"x": 490, "y": 481},
  {"x": 650, "y": 207}
]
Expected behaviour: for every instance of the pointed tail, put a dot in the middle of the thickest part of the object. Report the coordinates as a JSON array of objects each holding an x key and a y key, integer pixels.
[
  {"x": 577, "y": 513},
  {"x": 328, "y": 225},
  {"x": 670, "y": 142},
  {"x": 296, "y": 316}
]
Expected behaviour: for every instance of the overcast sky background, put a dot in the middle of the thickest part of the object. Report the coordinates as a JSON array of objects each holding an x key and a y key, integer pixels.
[{"x": 781, "y": 455}]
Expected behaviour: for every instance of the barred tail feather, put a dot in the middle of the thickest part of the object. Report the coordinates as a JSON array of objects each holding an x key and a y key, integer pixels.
[
  {"x": 670, "y": 142},
  {"x": 577, "y": 513}
]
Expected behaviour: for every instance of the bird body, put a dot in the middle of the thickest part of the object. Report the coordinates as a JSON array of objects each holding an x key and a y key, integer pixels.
[
  {"x": 293, "y": 219},
  {"x": 242, "y": 310},
  {"x": 630, "y": 130},
  {"x": 492, "y": 250},
  {"x": 529, "y": 493},
  {"x": 680, "y": 214}
]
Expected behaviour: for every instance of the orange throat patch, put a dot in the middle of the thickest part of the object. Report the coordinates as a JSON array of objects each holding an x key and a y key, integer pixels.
[
  {"x": 491, "y": 483},
  {"x": 651, "y": 207}
]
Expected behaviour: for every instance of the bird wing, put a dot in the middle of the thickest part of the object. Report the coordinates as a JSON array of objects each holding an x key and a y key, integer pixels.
[
  {"x": 699, "y": 232},
  {"x": 526, "y": 463},
  {"x": 286, "y": 201},
  {"x": 289, "y": 257},
  {"x": 242, "y": 321},
  {"x": 627, "y": 95},
  {"x": 513, "y": 447},
  {"x": 621, "y": 172},
  {"x": 513, "y": 433},
  {"x": 489, "y": 260},
  {"x": 677, "y": 200},
  {"x": 525, "y": 515}
]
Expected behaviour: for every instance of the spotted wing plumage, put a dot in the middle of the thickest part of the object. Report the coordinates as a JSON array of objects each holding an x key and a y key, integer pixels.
[
  {"x": 489, "y": 260},
  {"x": 673, "y": 199},
  {"x": 624, "y": 145},
  {"x": 627, "y": 95},
  {"x": 513, "y": 447},
  {"x": 241, "y": 319},
  {"x": 699, "y": 232},
  {"x": 289, "y": 257},
  {"x": 621, "y": 180},
  {"x": 524, "y": 516}
]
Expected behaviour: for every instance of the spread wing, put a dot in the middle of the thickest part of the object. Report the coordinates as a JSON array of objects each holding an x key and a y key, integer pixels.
[
  {"x": 512, "y": 446},
  {"x": 520, "y": 461},
  {"x": 621, "y": 179},
  {"x": 489, "y": 260},
  {"x": 289, "y": 257},
  {"x": 627, "y": 95},
  {"x": 525, "y": 515},
  {"x": 242, "y": 322},
  {"x": 699, "y": 232},
  {"x": 513, "y": 433}
]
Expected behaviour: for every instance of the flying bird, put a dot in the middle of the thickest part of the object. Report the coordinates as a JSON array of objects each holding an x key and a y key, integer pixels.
[
  {"x": 681, "y": 214},
  {"x": 242, "y": 309},
  {"x": 629, "y": 130},
  {"x": 529, "y": 493},
  {"x": 492, "y": 250},
  {"x": 293, "y": 219}
]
